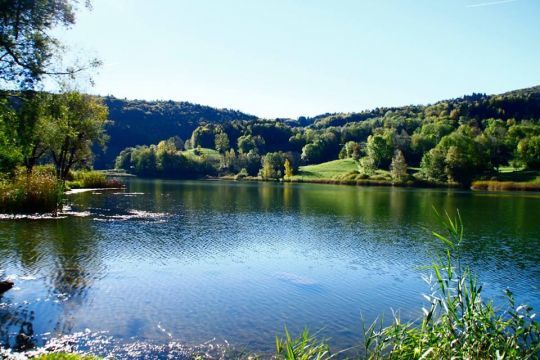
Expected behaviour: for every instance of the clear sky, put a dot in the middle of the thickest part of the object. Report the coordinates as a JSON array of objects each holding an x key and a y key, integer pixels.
[{"x": 286, "y": 58}]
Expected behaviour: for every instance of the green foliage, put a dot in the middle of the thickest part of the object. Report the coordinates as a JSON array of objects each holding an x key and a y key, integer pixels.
[
  {"x": 528, "y": 151},
  {"x": 304, "y": 347},
  {"x": 203, "y": 136},
  {"x": 39, "y": 191},
  {"x": 458, "y": 323},
  {"x": 380, "y": 148},
  {"x": 458, "y": 157},
  {"x": 367, "y": 165},
  {"x": 165, "y": 160},
  {"x": 27, "y": 42},
  {"x": 247, "y": 143},
  {"x": 351, "y": 149},
  {"x": 322, "y": 148},
  {"x": 433, "y": 165},
  {"x": 66, "y": 356},
  {"x": 241, "y": 174},
  {"x": 10, "y": 152},
  {"x": 251, "y": 162},
  {"x": 289, "y": 171},
  {"x": 91, "y": 180},
  {"x": 77, "y": 123},
  {"x": 139, "y": 122},
  {"x": 455, "y": 141},
  {"x": 274, "y": 165},
  {"x": 495, "y": 185},
  {"x": 123, "y": 160},
  {"x": 222, "y": 142}
]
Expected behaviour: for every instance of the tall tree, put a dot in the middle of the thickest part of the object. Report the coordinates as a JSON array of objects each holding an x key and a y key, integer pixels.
[
  {"x": 33, "y": 124},
  {"x": 398, "y": 167},
  {"x": 78, "y": 123},
  {"x": 289, "y": 172},
  {"x": 380, "y": 148},
  {"x": 27, "y": 45},
  {"x": 222, "y": 142},
  {"x": 10, "y": 152}
]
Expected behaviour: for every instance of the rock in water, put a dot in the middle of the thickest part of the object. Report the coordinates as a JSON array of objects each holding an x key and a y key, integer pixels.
[{"x": 5, "y": 286}]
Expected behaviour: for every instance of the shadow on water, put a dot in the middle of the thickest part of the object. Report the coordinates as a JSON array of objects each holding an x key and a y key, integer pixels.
[{"x": 50, "y": 262}]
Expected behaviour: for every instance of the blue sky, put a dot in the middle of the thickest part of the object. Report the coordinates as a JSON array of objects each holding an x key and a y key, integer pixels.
[{"x": 286, "y": 58}]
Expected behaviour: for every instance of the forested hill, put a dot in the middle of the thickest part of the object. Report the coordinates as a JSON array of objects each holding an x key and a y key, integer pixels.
[
  {"x": 139, "y": 122},
  {"x": 520, "y": 104}
]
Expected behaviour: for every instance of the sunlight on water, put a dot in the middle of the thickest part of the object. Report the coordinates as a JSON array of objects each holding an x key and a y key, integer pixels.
[{"x": 183, "y": 267}]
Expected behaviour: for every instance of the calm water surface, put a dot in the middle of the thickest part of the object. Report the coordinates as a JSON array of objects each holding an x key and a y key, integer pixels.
[{"x": 194, "y": 261}]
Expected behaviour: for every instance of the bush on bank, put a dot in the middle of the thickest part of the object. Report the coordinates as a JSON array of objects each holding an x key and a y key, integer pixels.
[
  {"x": 38, "y": 191},
  {"x": 91, "y": 180}
]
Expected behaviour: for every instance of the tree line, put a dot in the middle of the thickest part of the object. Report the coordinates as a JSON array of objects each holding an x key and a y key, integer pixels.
[
  {"x": 452, "y": 141},
  {"x": 38, "y": 128}
]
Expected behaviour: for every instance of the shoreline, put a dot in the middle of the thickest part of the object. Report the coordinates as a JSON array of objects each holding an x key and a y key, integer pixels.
[
  {"x": 83, "y": 190},
  {"x": 477, "y": 185}
]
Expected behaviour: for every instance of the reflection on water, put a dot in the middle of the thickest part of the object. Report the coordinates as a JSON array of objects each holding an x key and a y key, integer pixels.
[{"x": 187, "y": 262}]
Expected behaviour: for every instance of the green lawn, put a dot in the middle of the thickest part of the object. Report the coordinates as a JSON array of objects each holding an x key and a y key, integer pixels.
[
  {"x": 342, "y": 170},
  {"x": 210, "y": 153},
  {"x": 327, "y": 170},
  {"x": 64, "y": 356},
  {"x": 213, "y": 156}
]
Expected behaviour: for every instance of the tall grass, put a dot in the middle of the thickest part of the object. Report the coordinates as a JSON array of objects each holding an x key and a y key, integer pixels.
[
  {"x": 304, "y": 347},
  {"x": 91, "y": 180},
  {"x": 34, "y": 192},
  {"x": 457, "y": 322},
  {"x": 66, "y": 356},
  {"x": 496, "y": 185}
]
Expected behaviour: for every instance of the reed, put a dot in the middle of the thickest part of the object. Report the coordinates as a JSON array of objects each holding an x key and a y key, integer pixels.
[
  {"x": 38, "y": 191},
  {"x": 66, "y": 356},
  {"x": 494, "y": 185},
  {"x": 91, "y": 180}
]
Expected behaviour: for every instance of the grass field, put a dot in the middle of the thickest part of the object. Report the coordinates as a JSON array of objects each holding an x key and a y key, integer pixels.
[
  {"x": 345, "y": 171},
  {"x": 327, "y": 170},
  {"x": 211, "y": 154}
]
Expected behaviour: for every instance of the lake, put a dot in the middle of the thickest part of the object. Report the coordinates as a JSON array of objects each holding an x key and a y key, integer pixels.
[{"x": 194, "y": 262}]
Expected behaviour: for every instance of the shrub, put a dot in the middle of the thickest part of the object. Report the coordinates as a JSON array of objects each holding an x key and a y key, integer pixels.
[
  {"x": 495, "y": 185},
  {"x": 39, "y": 191},
  {"x": 242, "y": 174},
  {"x": 92, "y": 180}
]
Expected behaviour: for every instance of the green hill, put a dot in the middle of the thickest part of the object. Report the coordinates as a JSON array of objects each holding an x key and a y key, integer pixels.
[
  {"x": 139, "y": 122},
  {"x": 327, "y": 170}
]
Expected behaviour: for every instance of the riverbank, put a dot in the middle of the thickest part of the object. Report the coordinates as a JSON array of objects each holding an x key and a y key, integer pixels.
[
  {"x": 40, "y": 191},
  {"x": 510, "y": 179},
  {"x": 345, "y": 172},
  {"x": 494, "y": 185}
]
